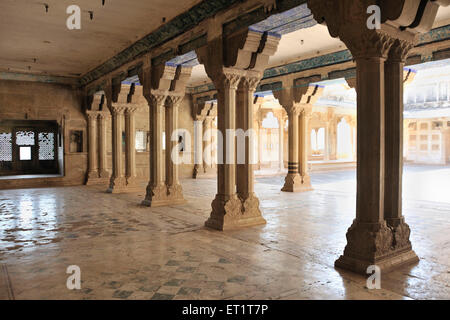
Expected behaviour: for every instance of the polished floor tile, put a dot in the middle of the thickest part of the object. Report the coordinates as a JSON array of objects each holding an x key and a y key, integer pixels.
[{"x": 126, "y": 251}]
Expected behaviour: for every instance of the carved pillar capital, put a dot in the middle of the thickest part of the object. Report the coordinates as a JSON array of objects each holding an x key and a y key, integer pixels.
[
  {"x": 157, "y": 98},
  {"x": 399, "y": 50},
  {"x": 250, "y": 82},
  {"x": 368, "y": 44},
  {"x": 294, "y": 110},
  {"x": 130, "y": 109},
  {"x": 173, "y": 101},
  {"x": 117, "y": 109},
  {"x": 229, "y": 78},
  {"x": 92, "y": 115}
]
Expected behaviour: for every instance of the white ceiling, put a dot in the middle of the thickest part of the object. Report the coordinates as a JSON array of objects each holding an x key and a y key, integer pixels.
[{"x": 27, "y": 32}]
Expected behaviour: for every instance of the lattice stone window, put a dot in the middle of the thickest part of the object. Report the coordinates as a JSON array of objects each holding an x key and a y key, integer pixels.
[
  {"x": 6, "y": 146},
  {"x": 424, "y": 126},
  {"x": 436, "y": 125},
  {"x": 141, "y": 141},
  {"x": 46, "y": 146},
  {"x": 412, "y": 126},
  {"x": 25, "y": 138}
]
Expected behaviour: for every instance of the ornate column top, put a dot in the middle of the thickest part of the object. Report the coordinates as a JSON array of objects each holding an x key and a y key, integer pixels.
[
  {"x": 400, "y": 22},
  {"x": 104, "y": 115},
  {"x": 173, "y": 101},
  {"x": 130, "y": 109},
  {"x": 117, "y": 109},
  {"x": 157, "y": 98},
  {"x": 92, "y": 115}
]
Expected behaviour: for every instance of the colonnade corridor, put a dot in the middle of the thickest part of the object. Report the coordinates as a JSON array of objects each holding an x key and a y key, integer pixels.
[
  {"x": 127, "y": 253},
  {"x": 225, "y": 150}
]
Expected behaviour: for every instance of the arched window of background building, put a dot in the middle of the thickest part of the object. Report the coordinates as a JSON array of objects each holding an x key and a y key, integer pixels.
[
  {"x": 344, "y": 137},
  {"x": 318, "y": 141}
]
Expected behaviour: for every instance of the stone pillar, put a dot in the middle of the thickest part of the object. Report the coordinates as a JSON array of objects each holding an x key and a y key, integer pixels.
[
  {"x": 102, "y": 164},
  {"x": 333, "y": 139},
  {"x": 228, "y": 60},
  {"x": 293, "y": 182},
  {"x": 207, "y": 160},
  {"x": 226, "y": 206},
  {"x": 326, "y": 155},
  {"x": 394, "y": 126},
  {"x": 260, "y": 146},
  {"x": 304, "y": 141},
  {"x": 130, "y": 153},
  {"x": 174, "y": 189},
  {"x": 198, "y": 146},
  {"x": 118, "y": 181},
  {"x": 281, "y": 122},
  {"x": 297, "y": 101},
  {"x": 378, "y": 235},
  {"x": 92, "y": 177},
  {"x": 156, "y": 188},
  {"x": 245, "y": 171},
  {"x": 369, "y": 239}
]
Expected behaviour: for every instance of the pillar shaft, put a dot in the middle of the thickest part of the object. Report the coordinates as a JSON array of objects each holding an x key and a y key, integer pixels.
[
  {"x": 226, "y": 180},
  {"x": 292, "y": 182},
  {"x": 207, "y": 161},
  {"x": 303, "y": 148},
  {"x": 327, "y": 142},
  {"x": 118, "y": 181},
  {"x": 92, "y": 155},
  {"x": 245, "y": 120},
  {"x": 103, "y": 172},
  {"x": 293, "y": 141},
  {"x": 281, "y": 143},
  {"x": 130, "y": 133},
  {"x": 371, "y": 134},
  {"x": 394, "y": 141},
  {"x": 156, "y": 189},
  {"x": 260, "y": 145},
  {"x": 198, "y": 147},
  {"x": 174, "y": 190}
]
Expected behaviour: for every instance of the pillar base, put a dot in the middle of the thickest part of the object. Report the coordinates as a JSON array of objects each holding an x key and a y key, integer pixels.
[
  {"x": 376, "y": 244},
  {"x": 296, "y": 183},
  {"x": 161, "y": 195},
  {"x": 232, "y": 213},
  {"x": 97, "y": 181},
  {"x": 119, "y": 185},
  {"x": 104, "y": 174},
  {"x": 93, "y": 178}
]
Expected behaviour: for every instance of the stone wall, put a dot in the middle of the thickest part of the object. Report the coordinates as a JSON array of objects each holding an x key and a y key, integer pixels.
[{"x": 42, "y": 101}]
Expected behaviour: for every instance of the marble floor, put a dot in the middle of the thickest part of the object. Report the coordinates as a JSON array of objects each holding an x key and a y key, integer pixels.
[{"x": 126, "y": 251}]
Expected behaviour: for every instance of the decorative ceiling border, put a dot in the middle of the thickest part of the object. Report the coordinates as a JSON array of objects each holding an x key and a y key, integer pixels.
[
  {"x": 16, "y": 76},
  {"x": 173, "y": 28}
]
